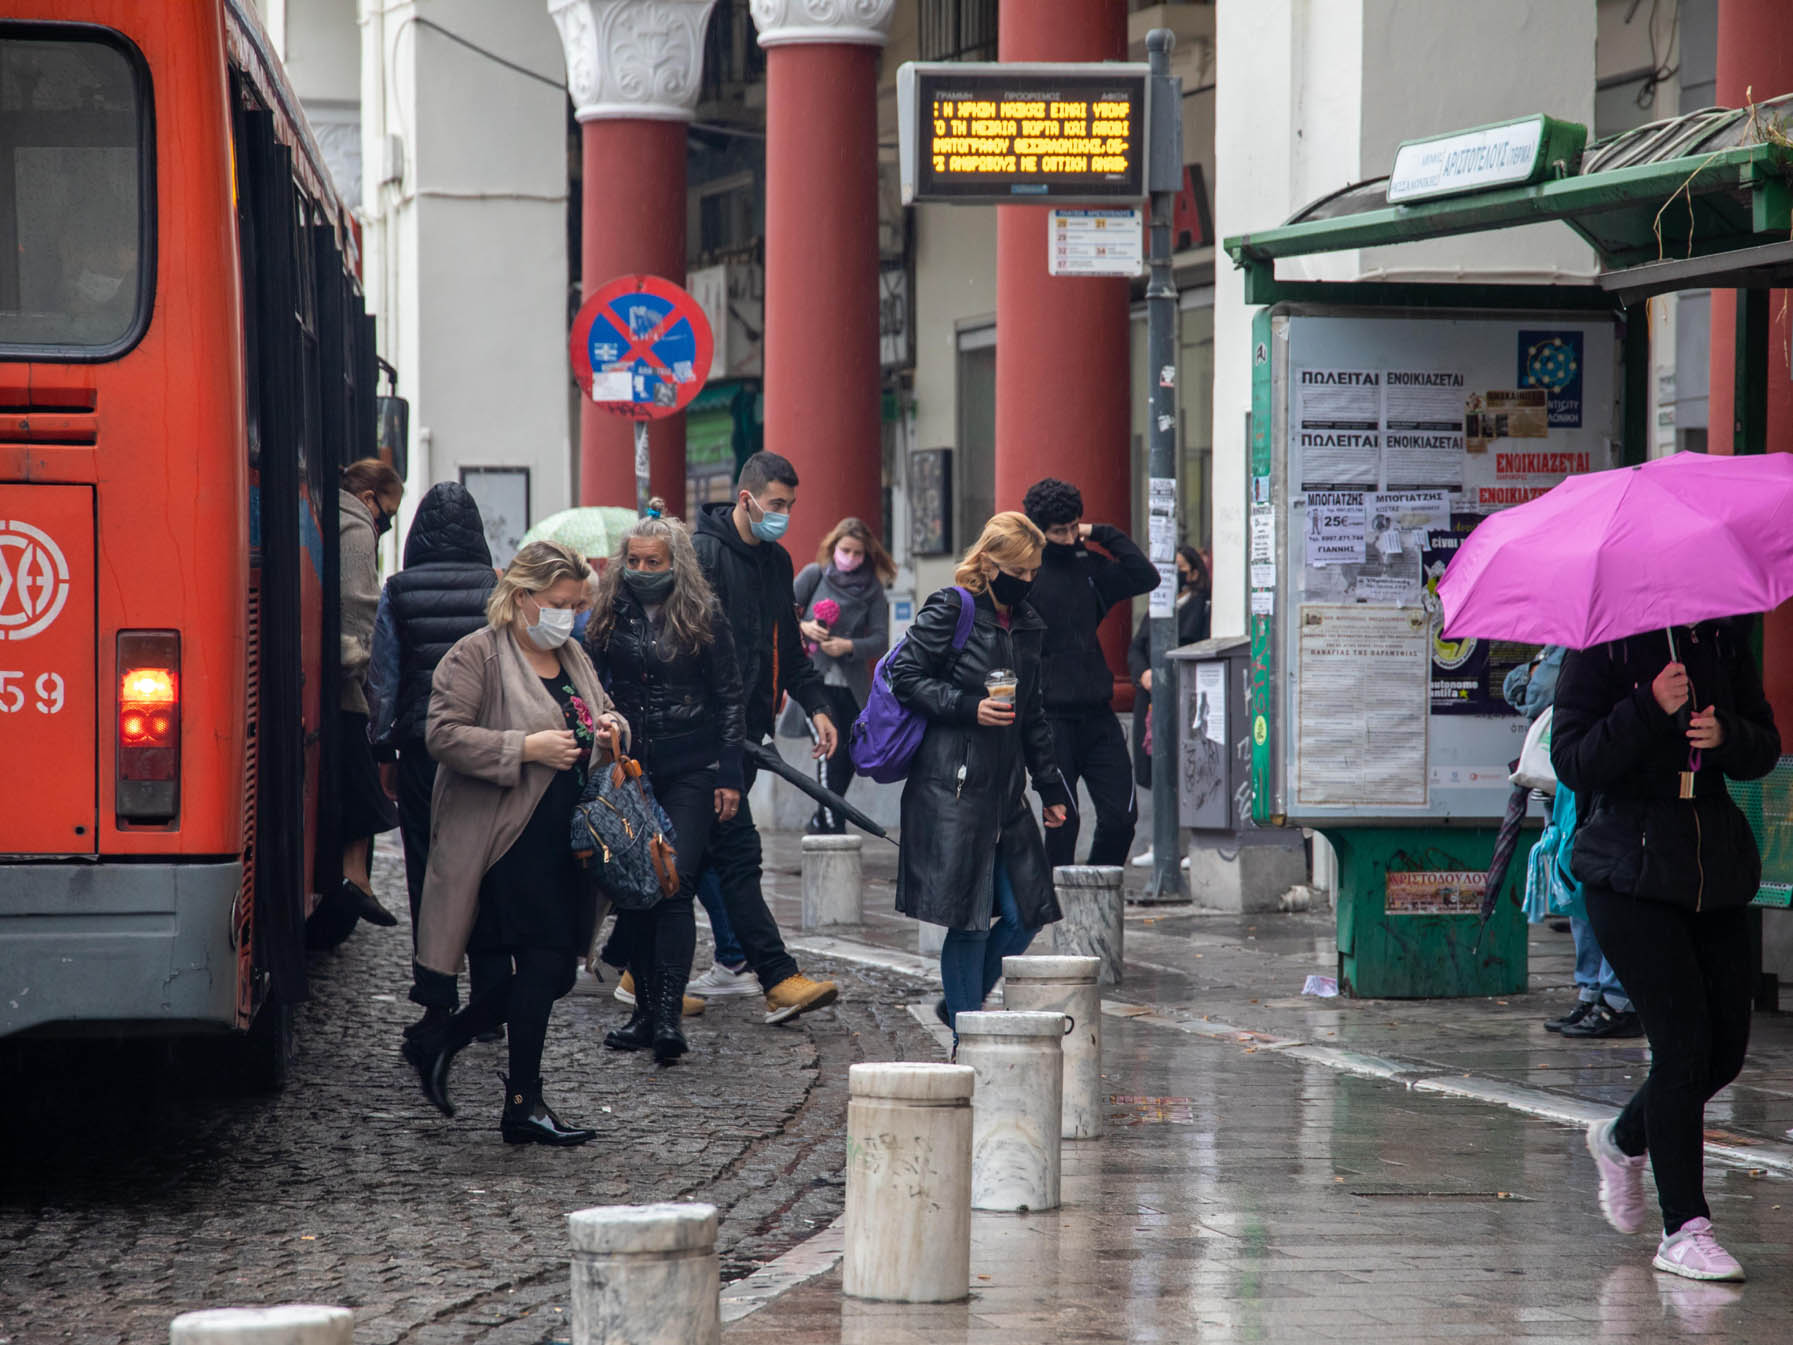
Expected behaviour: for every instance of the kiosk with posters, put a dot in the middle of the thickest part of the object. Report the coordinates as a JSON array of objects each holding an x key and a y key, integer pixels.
[{"x": 1388, "y": 419}]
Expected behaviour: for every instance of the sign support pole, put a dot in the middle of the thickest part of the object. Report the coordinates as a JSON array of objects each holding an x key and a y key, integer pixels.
[
  {"x": 1164, "y": 108},
  {"x": 642, "y": 489}
]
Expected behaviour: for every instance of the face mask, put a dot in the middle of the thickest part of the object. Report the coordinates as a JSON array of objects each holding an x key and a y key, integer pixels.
[
  {"x": 768, "y": 527},
  {"x": 551, "y": 628},
  {"x": 1008, "y": 590},
  {"x": 96, "y": 288},
  {"x": 846, "y": 563},
  {"x": 651, "y": 586},
  {"x": 1183, "y": 578},
  {"x": 382, "y": 520},
  {"x": 580, "y": 621}
]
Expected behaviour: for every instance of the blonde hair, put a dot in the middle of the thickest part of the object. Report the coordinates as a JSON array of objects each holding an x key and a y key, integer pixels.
[
  {"x": 875, "y": 554},
  {"x": 1008, "y": 539},
  {"x": 686, "y": 614},
  {"x": 535, "y": 569}
]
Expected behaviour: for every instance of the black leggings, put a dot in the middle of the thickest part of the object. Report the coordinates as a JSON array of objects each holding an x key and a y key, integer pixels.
[
  {"x": 1688, "y": 975},
  {"x": 661, "y": 942},
  {"x": 523, "y": 999}
]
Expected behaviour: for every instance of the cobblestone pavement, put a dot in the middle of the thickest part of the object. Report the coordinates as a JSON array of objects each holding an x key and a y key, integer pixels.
[{"x": 125, "y": 1200}]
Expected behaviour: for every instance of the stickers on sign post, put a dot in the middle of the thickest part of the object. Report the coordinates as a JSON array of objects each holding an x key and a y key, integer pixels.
[{"x": 641, "y": 347}]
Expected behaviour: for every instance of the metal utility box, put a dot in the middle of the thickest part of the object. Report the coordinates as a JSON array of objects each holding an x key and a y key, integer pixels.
[{"x": 1214, "y": 734}]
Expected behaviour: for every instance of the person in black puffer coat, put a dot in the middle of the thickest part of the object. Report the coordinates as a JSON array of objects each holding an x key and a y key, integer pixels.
[
  {"x": 666, "y": 655},
  {"x": 1668, "y": 866},
  {"x": 1075, "y": 590},
  {"x": 439, "y": 597}
]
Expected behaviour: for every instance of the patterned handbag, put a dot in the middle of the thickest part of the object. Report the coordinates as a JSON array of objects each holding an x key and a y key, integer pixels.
[{"x": 623, "y": 836}]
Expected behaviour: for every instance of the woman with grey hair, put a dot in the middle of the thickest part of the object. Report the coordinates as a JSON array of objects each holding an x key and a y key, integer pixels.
[{"x": 660, "y": 642}]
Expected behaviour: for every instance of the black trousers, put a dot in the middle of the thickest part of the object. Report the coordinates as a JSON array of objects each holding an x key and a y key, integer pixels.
[
  {"x": 843, "y": 709},
  {"x": 1688, "y": 974},
  {"x": 1092, "y": 747},
  {"x": 734, "y": 852},
  {"x": 523, "y": 997},
  {"x": 416, "y": 783},
  {"x": 659, "y": 943}
]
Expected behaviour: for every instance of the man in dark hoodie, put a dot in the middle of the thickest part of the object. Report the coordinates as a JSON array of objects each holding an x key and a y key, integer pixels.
[
  {"x": 737, "y": 544},
  {"x": 439, "y": 597},
  {"x": 1073, "y": 591}
]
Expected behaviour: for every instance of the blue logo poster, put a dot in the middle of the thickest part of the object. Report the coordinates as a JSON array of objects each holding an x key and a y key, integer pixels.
[{"x": 1552, "y": 361}]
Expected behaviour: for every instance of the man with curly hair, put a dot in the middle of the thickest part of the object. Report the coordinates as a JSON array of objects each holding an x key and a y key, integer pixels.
[{"x": 1075, "y": 589}]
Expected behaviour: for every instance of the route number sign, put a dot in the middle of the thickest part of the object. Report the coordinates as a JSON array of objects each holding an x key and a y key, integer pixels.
[{"x": 1010, "y": 133}]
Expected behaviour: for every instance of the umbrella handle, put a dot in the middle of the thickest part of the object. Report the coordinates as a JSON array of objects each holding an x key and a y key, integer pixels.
[{"x": 1673, "y": 656}]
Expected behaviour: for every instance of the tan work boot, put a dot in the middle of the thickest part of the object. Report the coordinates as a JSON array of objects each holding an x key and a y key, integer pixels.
[
  {"x": 798, "y": 994},
  {"x": 625, "y": 992}
]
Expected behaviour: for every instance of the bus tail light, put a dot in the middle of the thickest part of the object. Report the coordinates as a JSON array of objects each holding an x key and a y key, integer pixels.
[{"x": 149, "y": 725}]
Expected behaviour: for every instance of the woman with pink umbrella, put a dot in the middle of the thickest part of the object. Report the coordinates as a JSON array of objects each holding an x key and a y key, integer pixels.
[{"x": 1658, "y": 703}]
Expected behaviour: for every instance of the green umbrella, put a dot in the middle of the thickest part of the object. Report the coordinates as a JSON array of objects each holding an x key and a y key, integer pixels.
[{"x": 592, "y": 530}]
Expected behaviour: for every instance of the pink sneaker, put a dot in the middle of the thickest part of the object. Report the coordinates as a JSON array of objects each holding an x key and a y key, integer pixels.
[
  {"x": 1621, "y": 1180},
  {"x": 1692, "y": 1252}
]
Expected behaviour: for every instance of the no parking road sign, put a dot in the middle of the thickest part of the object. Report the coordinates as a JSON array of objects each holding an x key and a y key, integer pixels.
[{"x": 641, "y": 347}]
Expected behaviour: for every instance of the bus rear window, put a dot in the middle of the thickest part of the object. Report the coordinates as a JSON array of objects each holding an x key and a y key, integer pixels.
[{"x": 74, "y": 178}]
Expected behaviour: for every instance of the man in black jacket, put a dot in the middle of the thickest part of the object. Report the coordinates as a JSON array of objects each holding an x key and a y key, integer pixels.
[
  {"x": 737, "y": 544},
  {"x": 1074, "y": 590}
]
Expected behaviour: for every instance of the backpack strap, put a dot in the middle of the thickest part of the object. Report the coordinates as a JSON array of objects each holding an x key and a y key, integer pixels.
[{"x": 967, "y": 615}]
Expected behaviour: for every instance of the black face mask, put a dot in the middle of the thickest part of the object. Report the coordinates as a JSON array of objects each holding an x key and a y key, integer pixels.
[
  {"x": 382, "y": 521},
  {"x": 1183, "y": 580},
  {"x": 1060, "y": 550},
  {"x": 651, "y": 586},
  {"x": 1008, "y": 590}
]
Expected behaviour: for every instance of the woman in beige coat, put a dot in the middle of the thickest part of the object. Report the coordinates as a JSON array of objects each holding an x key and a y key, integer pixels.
[{"x": 516, "y": 714}]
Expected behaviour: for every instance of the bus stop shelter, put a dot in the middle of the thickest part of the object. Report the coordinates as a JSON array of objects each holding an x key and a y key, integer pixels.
[{"x": 1700, "y": 201}]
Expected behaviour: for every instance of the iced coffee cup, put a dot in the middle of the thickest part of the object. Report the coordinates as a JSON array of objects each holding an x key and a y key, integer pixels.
[{"x": 1001, "y": 684}]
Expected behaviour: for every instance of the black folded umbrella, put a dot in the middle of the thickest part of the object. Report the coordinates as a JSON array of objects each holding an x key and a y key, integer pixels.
[
  {"x": 1504, "y": 845},
  {"x": 767, "y": 758}
]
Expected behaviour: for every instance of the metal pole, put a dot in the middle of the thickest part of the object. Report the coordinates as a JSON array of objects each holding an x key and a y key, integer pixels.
[
  {"x": 641, "y": 465},
  {"x": 1165, "y": 172}
]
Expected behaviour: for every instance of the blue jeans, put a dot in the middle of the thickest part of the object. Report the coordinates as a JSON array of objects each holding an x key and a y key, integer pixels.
[
  {"x": 971, "y": 960},
  {"x": 728, "y": 951},
  {"x": 1594, "y": 977}
]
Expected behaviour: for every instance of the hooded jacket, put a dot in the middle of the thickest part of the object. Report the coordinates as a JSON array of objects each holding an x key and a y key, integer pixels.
[
  {"x": 753, "y": 584},
  {"x": 436, "y": 600},
  {"x": 1074, "y": 591}
]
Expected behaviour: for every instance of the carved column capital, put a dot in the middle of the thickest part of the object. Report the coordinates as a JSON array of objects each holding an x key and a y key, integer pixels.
[
  {"x": 633, "y": 58},
  {"x": 785, "y": 22}
]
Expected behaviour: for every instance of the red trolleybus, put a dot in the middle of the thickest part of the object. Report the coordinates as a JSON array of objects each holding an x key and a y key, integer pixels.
[{"x": 185, "y": 365}]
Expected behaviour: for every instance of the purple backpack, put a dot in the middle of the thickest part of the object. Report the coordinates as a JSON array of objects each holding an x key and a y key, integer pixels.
[{"x": 887, "y": 733}]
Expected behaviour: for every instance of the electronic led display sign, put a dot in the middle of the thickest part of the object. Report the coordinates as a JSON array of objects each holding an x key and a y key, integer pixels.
[{"x": 995, "y": 133}]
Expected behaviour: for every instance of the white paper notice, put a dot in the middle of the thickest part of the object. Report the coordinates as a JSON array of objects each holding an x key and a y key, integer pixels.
[
  {"x": 1422, "y": 427},
  {"x": 1263, "y": 602},
  {"x": 1161, "y": 513},
  {"x": 1263, "y": 534},
  {"x": 1210, "y": 701},
  {"x": 1362, "y": 722},
  {"x": 1163, "y": 599},
  {"x": 1338, "y": 424},
  {"x": 1263, "y": 576},
  {"x": 1335, "y": 527},
  {"x": 612, "y": 385}
]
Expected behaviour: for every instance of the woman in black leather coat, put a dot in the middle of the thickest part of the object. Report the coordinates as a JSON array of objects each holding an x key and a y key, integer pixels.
[
  {"x": 664, "y": 650},
  {"x": 1668, "y": 865},
  {"x": 970, "y": 848}
]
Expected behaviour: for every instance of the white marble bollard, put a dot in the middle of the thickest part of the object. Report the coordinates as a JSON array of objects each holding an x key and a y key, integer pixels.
[
  {"x": 1095, "y": 922},
  {"x": 929, "y": 939},
  {"x": 646, "y": 1275},
  {"x": 288, "y": 1324},
  {"x": 833, "y": 883},
  {"x": 908, "y": 1233},
  {"x": 1016, "y": 1109},
  {"x": 1066, "y": 985}
]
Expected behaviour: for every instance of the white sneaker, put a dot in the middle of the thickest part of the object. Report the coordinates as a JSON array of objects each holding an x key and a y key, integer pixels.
[
  {"x": 1143, "y": 860},
  {"x": 719, "y": 982}
]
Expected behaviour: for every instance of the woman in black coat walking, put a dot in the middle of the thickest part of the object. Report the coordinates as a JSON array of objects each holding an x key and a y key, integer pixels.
[
  {"x": 1194, "y": 599},
  {"x": 666, "y": 655},
  {"x": 1646, "y": 731},
  {"x": 970, "y": 848}
]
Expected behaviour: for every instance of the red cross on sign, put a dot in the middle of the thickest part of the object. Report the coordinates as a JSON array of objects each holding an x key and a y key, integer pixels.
[{"x": 641, "y": 347}]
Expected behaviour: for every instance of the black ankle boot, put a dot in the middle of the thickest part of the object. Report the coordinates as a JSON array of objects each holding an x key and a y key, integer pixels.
[
  {"x": 635, "y": 1035},
  {"x": 431, "y": 1047},
  {"x": 669, "y": 1011},
  {"x": 529, "y": 1120}
]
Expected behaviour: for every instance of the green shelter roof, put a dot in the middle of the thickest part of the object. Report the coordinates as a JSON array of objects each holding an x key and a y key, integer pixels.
[{"x": 1705, "y": 198}]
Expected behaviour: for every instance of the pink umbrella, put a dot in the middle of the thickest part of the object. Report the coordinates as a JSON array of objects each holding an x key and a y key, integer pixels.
[{"x": 1612, "y": 554}]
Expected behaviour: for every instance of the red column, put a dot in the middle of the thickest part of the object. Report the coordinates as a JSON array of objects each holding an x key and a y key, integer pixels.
[
  {"x": 1062, "y": 343},
  {"x": 634, "y": 223},
  {"x": 823, "y": 382},
  {"x": 1755, "y": 60}
]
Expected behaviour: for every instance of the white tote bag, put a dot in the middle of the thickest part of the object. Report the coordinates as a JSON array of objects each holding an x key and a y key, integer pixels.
[{"x": 1534, "y": 770}]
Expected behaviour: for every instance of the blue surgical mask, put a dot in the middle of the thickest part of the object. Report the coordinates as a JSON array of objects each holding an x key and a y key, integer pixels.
[{"x": 768, "y": 527}]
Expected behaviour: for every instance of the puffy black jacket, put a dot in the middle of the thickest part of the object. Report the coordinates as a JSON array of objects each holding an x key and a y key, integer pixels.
[
  {"x": 439, "y": 597},
  {"x": 753, "y": 584},
  {"x": 1609, "y": 739},
  {"x": 684, "y": 709},
  {"x": 1074, "y": 590},
  {"x": 955, "y": 826}
]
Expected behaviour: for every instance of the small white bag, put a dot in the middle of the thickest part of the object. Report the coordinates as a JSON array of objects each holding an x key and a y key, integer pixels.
[{"x": 1535, "y": 771}]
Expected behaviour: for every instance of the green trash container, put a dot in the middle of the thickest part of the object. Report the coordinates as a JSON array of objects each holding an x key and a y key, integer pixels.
[{"x": 1409, "y": 914}]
